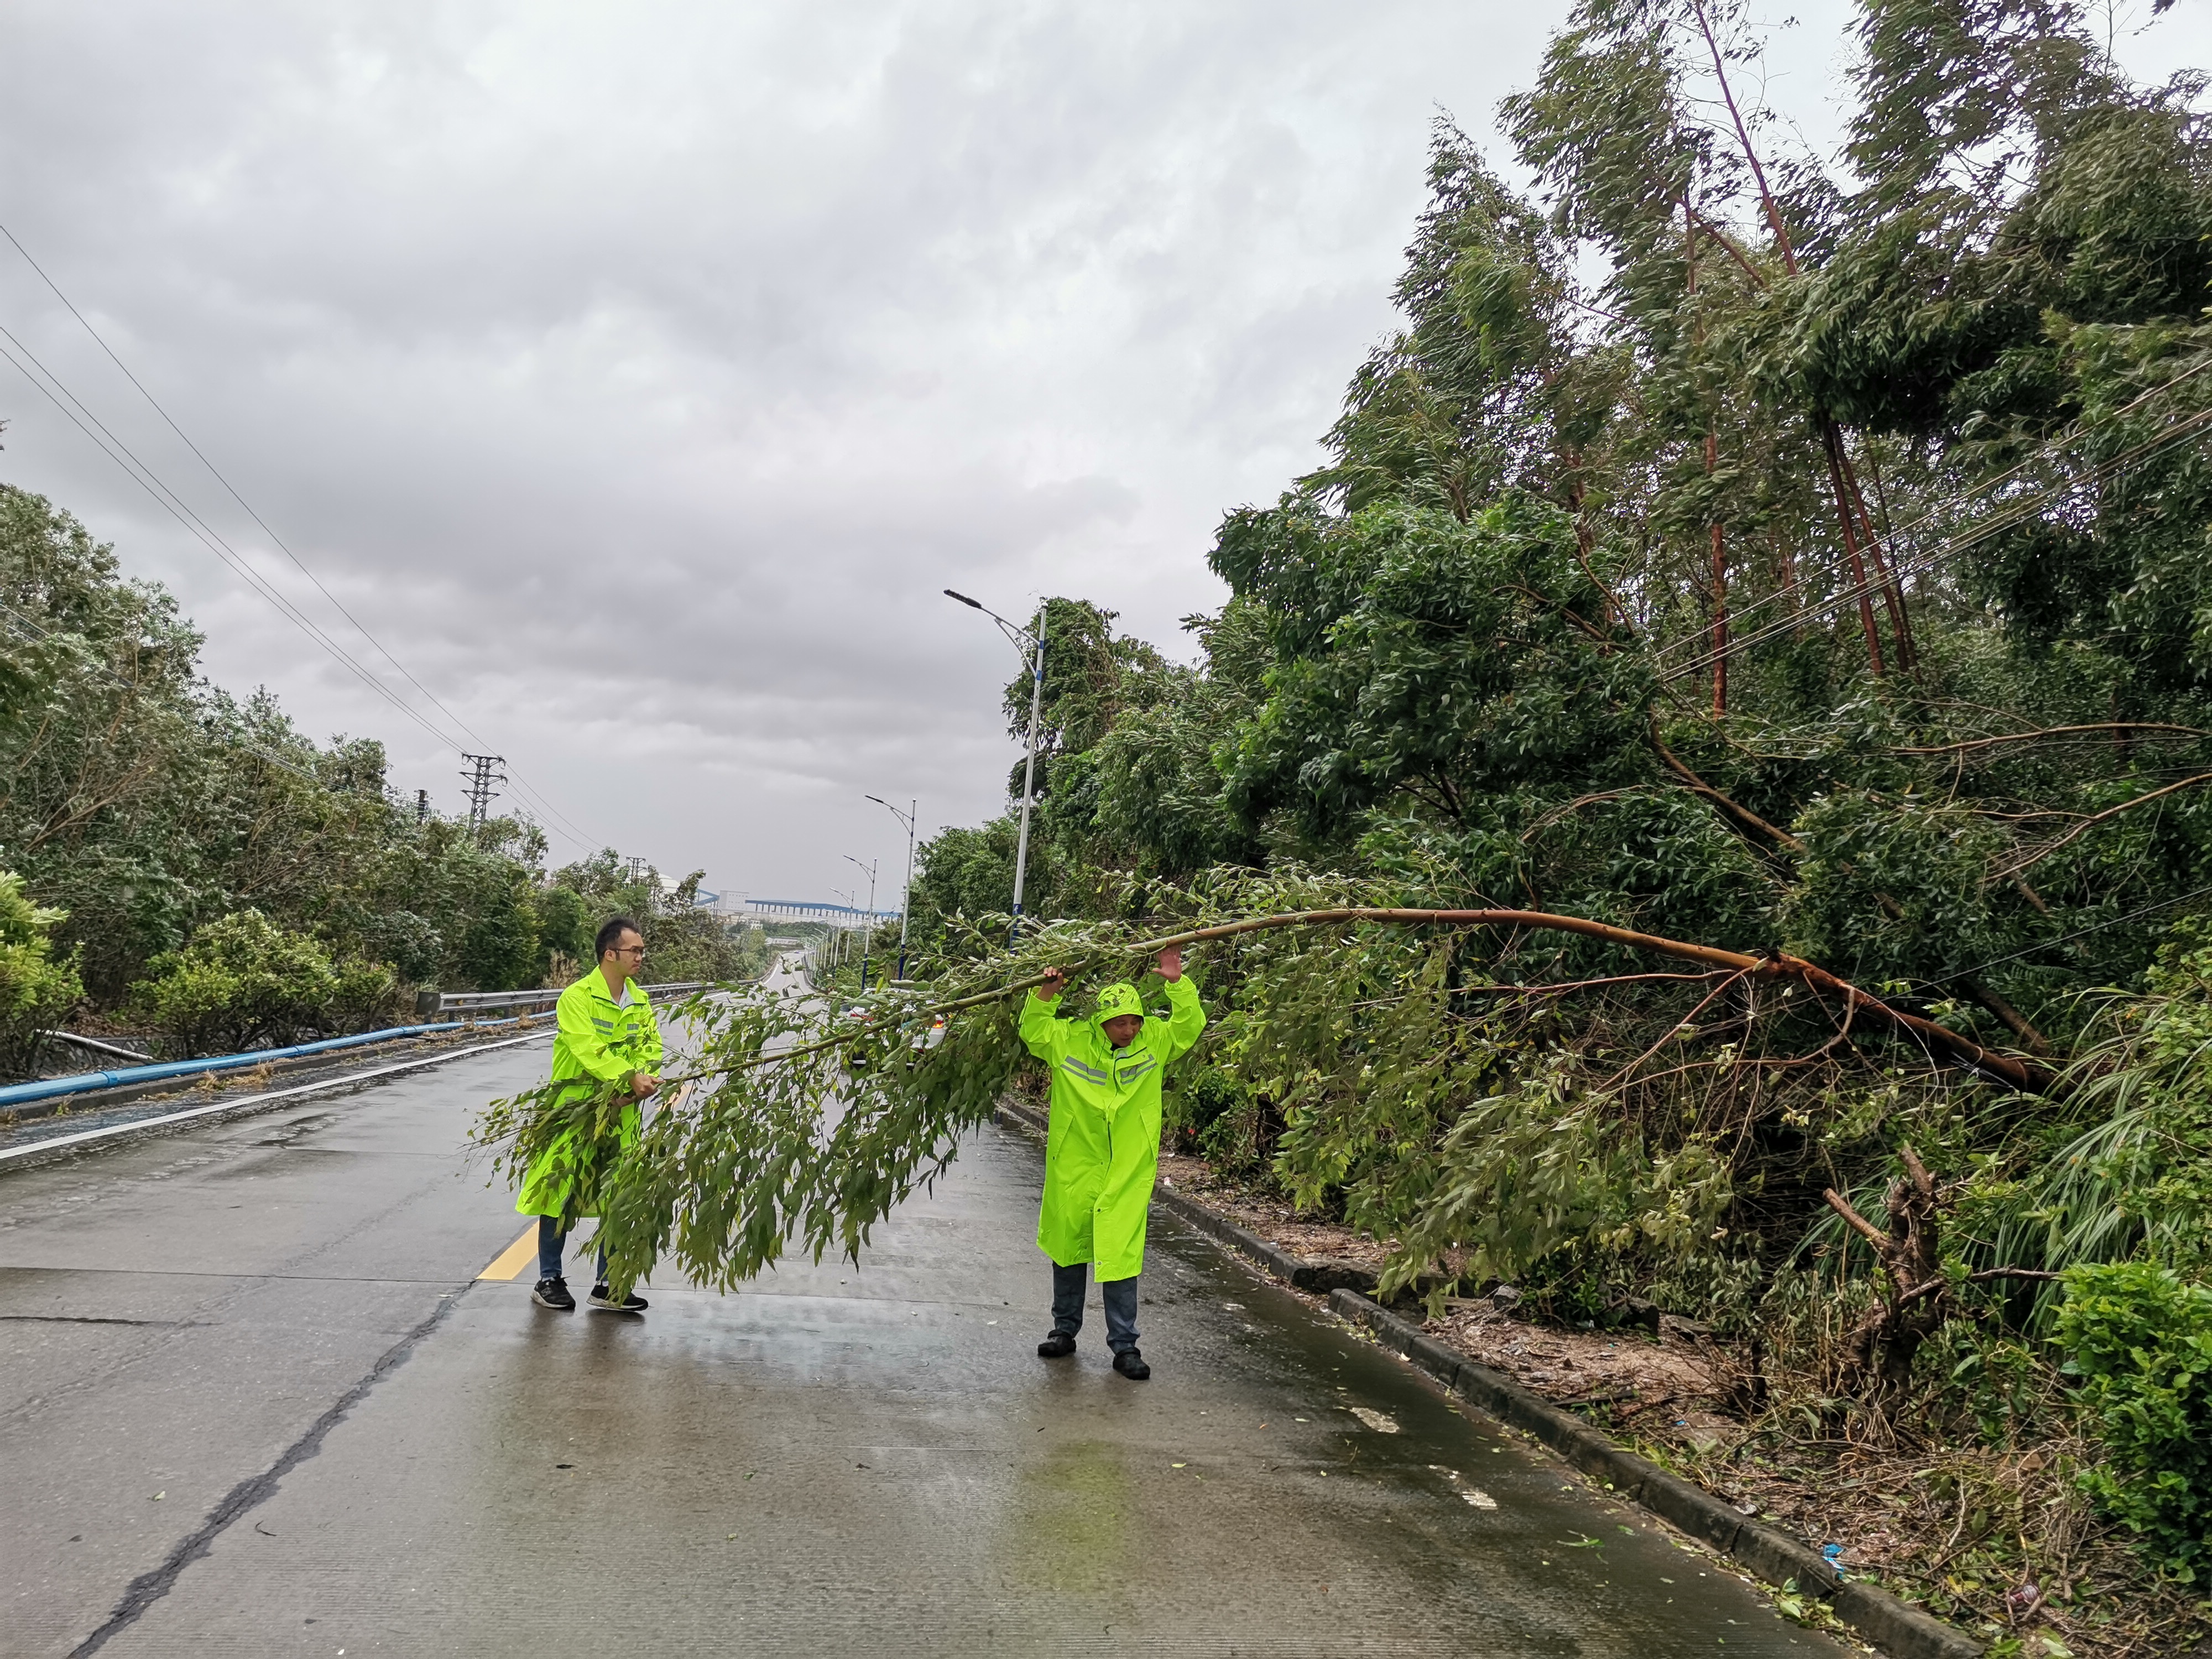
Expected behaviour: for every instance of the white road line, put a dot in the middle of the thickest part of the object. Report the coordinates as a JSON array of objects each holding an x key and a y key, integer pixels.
[{"x": 85, "y": 1137}]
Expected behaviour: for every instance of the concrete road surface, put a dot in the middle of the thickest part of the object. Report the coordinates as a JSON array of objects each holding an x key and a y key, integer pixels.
[{"x": 256, "y": 1400}]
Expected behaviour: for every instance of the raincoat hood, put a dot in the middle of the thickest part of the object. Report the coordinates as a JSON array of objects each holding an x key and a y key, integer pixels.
[{"x": 1115, "y": 1001}]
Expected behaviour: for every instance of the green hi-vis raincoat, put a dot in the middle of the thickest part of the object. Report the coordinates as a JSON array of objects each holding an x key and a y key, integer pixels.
[
  {"x": 601, "y": 1041},
  {"x": 1102, "y": 1149}
]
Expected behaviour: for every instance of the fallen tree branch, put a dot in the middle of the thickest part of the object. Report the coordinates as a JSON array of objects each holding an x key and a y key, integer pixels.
[
  {"x": 1880, "y": 1349},
  {"x": 1878, "y": 1352},
  {"x": 1502, "y": 989},
  {"x": 2012, "y": 1020},
  {"x": 1842, "y": 1206},
  {"x": 1742, "y": 815},
  {"x": 1681, "y": 1027},
  {"x": 2096, "y": 819},
  {"x": 1931, "y": 1037},
  {"x": 1576, "y": 805},
  {"x": 1984, "y": 1276}
]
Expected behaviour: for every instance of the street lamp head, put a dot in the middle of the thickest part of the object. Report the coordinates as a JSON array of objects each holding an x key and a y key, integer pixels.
[{"x": 973, "y": 604}]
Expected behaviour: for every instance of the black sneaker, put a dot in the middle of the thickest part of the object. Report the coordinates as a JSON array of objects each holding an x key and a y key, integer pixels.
[
  {"x": 1058, "y": 1346},
  {"x": 554, "y": 1293},
  {"x": 631, "y": 1303},
  {"x": 1131, "y": 1365}
]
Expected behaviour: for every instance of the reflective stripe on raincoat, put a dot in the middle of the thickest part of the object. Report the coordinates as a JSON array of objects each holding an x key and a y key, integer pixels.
[
  {"x": 1103, "y": 1150},
  {"x": 600, "y": 1043}
]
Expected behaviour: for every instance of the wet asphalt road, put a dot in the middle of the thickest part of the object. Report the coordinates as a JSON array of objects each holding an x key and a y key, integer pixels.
[{"x": 835, "y": 1463}]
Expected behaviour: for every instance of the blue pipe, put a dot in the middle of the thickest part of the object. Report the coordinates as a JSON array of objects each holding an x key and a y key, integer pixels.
[{"x": 47, "y": 1088}]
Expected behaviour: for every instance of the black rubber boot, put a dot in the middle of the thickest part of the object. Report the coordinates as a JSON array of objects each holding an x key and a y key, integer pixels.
[
  {"x": 1058, "y": 1346},
  {"x": 1131, "y": 1365}
]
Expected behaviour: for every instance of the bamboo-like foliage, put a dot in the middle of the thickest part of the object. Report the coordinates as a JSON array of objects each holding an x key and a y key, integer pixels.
[{"x": 804, "y": 1120}]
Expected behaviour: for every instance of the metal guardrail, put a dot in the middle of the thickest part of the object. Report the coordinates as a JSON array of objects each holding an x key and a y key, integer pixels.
[
  {"x": 51, "y": 1088},
  {"x": 466, "y": 1003},
  {"x": 519, "y": 1005}
]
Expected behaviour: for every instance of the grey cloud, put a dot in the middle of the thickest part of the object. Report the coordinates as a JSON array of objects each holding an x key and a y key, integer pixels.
[{"x": 640, "y": 373}]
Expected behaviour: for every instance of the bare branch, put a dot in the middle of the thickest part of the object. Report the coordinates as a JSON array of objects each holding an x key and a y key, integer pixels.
[
  {"x": 2020, "y": 1074},
  {"x": 2096, "y": 819},
  {"x": 1842, "y": 1206},
  {"x": 2055, "y": 732},
  {"x": 1742, "y": 815}
]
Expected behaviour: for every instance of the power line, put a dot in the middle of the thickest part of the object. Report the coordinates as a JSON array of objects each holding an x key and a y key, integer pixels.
[
  {"x": 284, "y": 547},
  {"x": 134, "y": 688},
  {"x": 117, "y": 451},
  {"x": 121, "y": 454},
  {"x": 2012, "y": 514},
  {"x": 253, "y": 578},
  {"x": 2097, "y": 927},
  {"x": 1887, "y": 543}
]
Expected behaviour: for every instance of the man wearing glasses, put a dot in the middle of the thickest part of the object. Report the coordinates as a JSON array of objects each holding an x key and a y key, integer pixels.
[{"x": 608, "y": 1034}]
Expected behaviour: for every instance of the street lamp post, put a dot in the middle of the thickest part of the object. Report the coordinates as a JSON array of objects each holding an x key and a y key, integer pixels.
[
  {"x": 906, "y": 893},
  {"x": 1022, "y": 639},
  {"x": 868, "y": 921},
  {"x": 852, "y": 899}
]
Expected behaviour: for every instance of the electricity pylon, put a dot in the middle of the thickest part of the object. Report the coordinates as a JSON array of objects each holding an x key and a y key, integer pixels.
[{"x": 484, "y": 771}]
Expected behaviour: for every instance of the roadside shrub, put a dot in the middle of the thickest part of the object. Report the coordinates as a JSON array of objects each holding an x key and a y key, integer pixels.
[
  {"x": 1199, "y": 1100},
  {"x": 367, "y": 996},
  {"x": 36, "y": 992},
  {"x": 1216, "y": 1115},
  {"x": 564, "y": 929},
  {"x": 1544, "y": 1167},
  {"x": 2139, "y": 1338},
  {"x": 244, "y": 983}
]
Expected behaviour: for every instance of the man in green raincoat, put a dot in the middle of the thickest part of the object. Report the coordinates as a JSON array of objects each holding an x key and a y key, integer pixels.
[
  {"x": 608, "y": 1034},
  {"x": 1102, "y": 1149}
]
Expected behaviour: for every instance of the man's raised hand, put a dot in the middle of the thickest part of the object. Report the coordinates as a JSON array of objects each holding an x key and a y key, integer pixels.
[
  {"x": 1055, "y": 981},
  {"x": 1171, "y": 964}
]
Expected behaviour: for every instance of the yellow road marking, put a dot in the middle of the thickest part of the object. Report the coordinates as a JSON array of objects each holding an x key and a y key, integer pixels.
[
  {"x": 510, "y": 1261},
  {"x": 515, "y": 1257}
]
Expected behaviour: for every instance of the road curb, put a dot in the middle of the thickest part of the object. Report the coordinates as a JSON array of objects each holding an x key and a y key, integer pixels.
[{"x": 1897, "y": 1628}]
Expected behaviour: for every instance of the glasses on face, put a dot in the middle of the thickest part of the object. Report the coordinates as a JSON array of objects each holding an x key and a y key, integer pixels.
[{"x": 629, "y": 950}]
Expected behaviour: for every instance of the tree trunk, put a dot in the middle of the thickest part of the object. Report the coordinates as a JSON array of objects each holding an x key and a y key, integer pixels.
[
  {"x": 1720, "y": 594},
  {"x": 1832, "y": 440},
  {"x": 1877, "y": 1360},
  {"x": 1893, "y": 592}
]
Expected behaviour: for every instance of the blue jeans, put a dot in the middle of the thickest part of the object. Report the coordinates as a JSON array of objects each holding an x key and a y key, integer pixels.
[
  {"x": 551, "y": 1241},
  {"x": 1120, "y": 1296}
]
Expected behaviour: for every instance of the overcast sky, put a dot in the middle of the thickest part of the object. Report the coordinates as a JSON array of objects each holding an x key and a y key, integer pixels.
[{"x": 639, "y": 373}]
